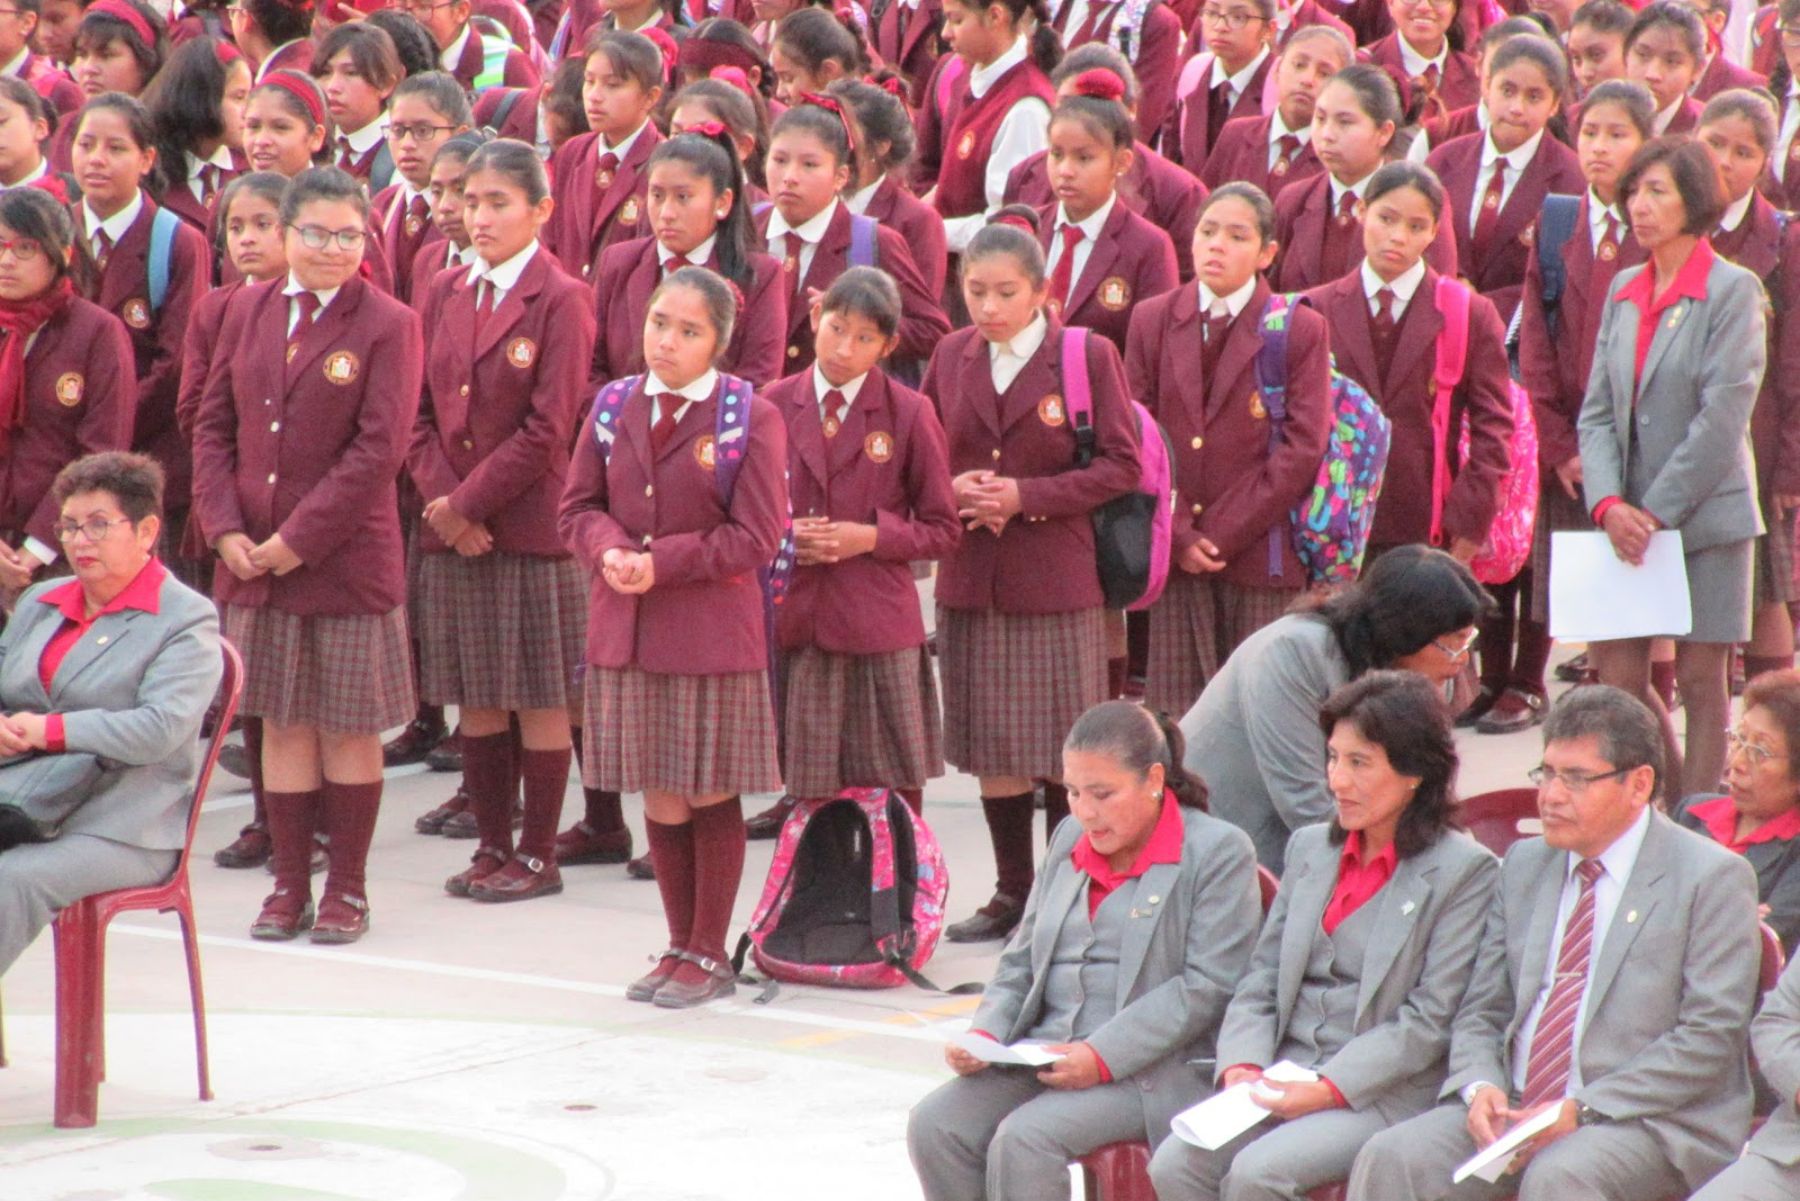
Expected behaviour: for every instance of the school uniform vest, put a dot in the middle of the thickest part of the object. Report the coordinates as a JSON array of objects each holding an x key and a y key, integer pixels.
[
  {"x": 1324, "y": 1014},
  {"x": 1081, "y": 984},
  {"x": 973, "y": 124}
]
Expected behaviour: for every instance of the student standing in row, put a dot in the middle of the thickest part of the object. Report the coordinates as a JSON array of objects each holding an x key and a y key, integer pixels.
[{"x": 600, "y": 177}]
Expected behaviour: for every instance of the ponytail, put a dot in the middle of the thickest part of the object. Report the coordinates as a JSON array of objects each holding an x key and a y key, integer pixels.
[
  {"x": 1138, "y": 739},
  {"x": 711, "y": 153}
]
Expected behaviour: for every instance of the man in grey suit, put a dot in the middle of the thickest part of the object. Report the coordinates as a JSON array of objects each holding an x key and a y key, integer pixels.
[
  {"x": 104, "y": 758},
  {"x": 1615, "y": 983},
  {"x": 1770, "y": 1168}
]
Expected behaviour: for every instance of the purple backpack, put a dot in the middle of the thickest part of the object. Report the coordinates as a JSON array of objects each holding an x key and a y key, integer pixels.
[
  {"x": 854, "y": 897},
  {"x": 1132, "y": 533}
]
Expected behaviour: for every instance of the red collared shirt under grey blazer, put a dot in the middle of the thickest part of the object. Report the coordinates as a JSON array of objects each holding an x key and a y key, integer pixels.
[
  {"x": 501, "y": 403},
  {"x": 704, "y": 614},
  {"x": 886, "y": 466},
  {"x": 1043, "y": 561},
  {"x": 311, "y": 448}
]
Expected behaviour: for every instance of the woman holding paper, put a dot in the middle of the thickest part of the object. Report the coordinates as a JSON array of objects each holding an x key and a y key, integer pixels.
[
  {"x": 1363, "y": 961},
  {"x": 1141, "y": 921},
  {"x": 1665, "y": 435}
]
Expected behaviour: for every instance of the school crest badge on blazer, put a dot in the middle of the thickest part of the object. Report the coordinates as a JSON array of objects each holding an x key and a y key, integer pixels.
[
  {"x": 69, "y": 388},
  {"x": 342, "y": 367},
  {"x": 137, "y": 313},
  {"x": 1257, "y": 411},
  {"x": 1114, "y": 293},
  {"x": 628, "y": 212},
  {"x": 413, "y": 224},
  {"x": 705, "y": 454},
  {"x": 521, "y": 352},
  {"x": 966, "y": 146},
  {"x": 603, "y": 179},
  {"x": 879, "y": 446},
  {"x": 1051, "y": 411},
  {"x": 1527, "y": 236}
]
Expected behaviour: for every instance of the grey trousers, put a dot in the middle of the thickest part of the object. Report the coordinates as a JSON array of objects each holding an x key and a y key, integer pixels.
[
  {"x": 1273, "y": 1162},
  {"x": 999, "y": 1135},
  {"x": 40, "y": 880},
  {"x": 1415, "y": 1160},
  {"x": 1753, "y": 1178}
]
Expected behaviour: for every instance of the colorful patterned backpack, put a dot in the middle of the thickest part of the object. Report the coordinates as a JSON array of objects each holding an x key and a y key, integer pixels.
[
  {"x": 854, "y": 898},
  {"x": 1330, "y": 527}
]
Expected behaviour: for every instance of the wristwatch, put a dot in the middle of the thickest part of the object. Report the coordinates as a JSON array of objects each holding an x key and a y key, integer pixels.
[{"x": 1587, "y": 1115}]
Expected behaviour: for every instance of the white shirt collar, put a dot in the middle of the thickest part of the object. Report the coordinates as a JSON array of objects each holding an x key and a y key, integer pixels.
[
  {"x": 699, "y": 255},
  {"x": 1666, "y": 117},
  {"x": 1621, "y": 857},
  {"x": 1278, "y": 129},
  {"x": 1599, "y": 210},
  {"x": 1356, "y": 189},
  {"x": 504, "y": 276},
  {"x": 654, "y": 17},
  {"x": 1403, "y": 286},
  {"x": 983, "y": 78},
  {"x": 37, "y": 173},
  {"x": 810, "y": 230},
  {"x": 821, "y": 386},
  {"x": 1414, "y": 63},
  {"x": 18, "y": 62},
  {"x": 1736, "y": 211},
  {"x": 1517, "y": 159},
  {"x": 454, "y": 51},
  {"x": 294, "y": 288},
  {"x": 624, "y": 146},
  {"x": 700, "y": 389},
  {"x": 1234, "y": 303},
  {"x": 1095, "y": 222},
  {"x": 363, "y": 140},
  {"x": 1024, "y": 344},
  {"x": 115, "y": 225},
  {"x": 221, "y": 158},
  {"x": 1241, "y": 80},
  {"x": 859, "y": 201}
]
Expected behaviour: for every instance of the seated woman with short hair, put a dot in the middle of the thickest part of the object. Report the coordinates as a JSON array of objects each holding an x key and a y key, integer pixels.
[{"x": 104, "y": 682}]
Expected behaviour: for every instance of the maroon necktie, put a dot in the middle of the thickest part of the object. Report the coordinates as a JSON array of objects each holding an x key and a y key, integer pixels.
[
  {"x": 1218, "y": 111},
  {"x": 1608, "y": 249},
  {"x": 666, "y": 403},
  {"x": 1489, "y": 216},
  {"x": 105, "y": 252},
  {"x": 1212, "y": 333},
  {"x": 416, "y": 213},
  {"x": 346, "y": 156},
  {"x": 1553, "y": 1041},
  {"x": 484, "y": 304},
  {"x": 603, "y": 174},
  {"x": 308, "y": 305},
  {"x": 1287, "y": 147},
  {"x": 835, "y": 407},
  {"x": 209, "y": 183},
  {"x": 1062, "y": 278},
  {"x": 791, "y": 264},
  {"x": 676, "y": 262},
  {"x": 1346, "y": 209},
  {"x": 1382, "y": 327}
]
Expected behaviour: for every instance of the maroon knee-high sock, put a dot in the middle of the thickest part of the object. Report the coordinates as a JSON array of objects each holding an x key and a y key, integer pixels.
[
  {"x": 350, "y": 813},
  {"x": 1056, "y": 807},
  {"x": 293, "y": 818},
  {"x": 546, "y": 779},
  {"x": 914, "y": 798},
  {"x": 1009, "y": 826},
  {"x": 672, "y": 852},
  {"x": 603, "y": 812},
  {"x": 252, "y": 728},
  {"x": 1533, "y": 656},
  {"x": 488, "y": 774},
  {"x": 718, "y": 832}
]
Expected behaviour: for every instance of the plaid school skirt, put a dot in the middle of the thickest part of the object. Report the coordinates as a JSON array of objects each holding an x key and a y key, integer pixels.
[
  {"x": 689, "y": 735},
  {"x": 1014, "y": 683},
  {"x": 350, "y": 673},
  {"x": 858, "y": 721},
  {"x": 1195, "y": 626},
  {"x": 500, "y": 631}
]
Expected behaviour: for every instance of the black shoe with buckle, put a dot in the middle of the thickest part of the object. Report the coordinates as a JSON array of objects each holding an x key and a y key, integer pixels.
[
  {"x": 413, "y": 743},
  {"x": 645, "y": 987},
  {"x": 995, "y": 920},
  {"x": 696, "y": 980},
  {"x": 1516, "y": 710},
  {"x": 768, "y": 823}
]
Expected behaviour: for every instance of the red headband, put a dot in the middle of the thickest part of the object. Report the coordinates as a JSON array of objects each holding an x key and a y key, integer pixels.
[
  {"x": 708, "y": 129},
  {"x": 830, "y": 104},
  {"x": 122, "y": 12},
  {"x": 892, "y": 86},
  {"x": 665, "y": 46},
  {"x": 704, "y": 54},
  {"x": 1100, "y": 84},
  {"x": 226, "y": 52},
  {"x": 735, "y": 77},
  {"x": 1016, "y": 221},
  {"x": 300, "y": 87}
]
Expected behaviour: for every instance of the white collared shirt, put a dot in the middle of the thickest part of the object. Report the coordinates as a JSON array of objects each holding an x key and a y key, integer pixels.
[
  {"x": 1238, "y": 83},
  {"x": 1618, "y": 860},
  {"x": 1790, "y": 124},
  {"x": 624, "y": 146},
  {"x": 1278, "y": 129},
  {"x": 655, "y": 16},
  {"x": 1598, "y": 211},
  {"x": 403, "y": 198},
  {"x": 1517, "y": 160},
  {"x": 114, "y": 226},
  {"x": 1403, "y": 287},
  {"x": 1735, "y": 212},
  {"x": 849, "y": 391},
  {"x": 1007, "y": 359},
  {"x": 1090, "y": 230},
  {"x": 463, "y": 256},
  {"x": 1414, "y": 63},
  {"x": 453, "y": 53},
  {"x": 699, "y": 256},
  {"x": 1023, "y": 132},
  {"x": 37, "y": 173},
  {"x": 17, "y": 64},
  {"x": 810, "y": 231},
  {"x": 501, "y": 277},
  {"x": 293, "y": 289},
  {"x": 1357, "y": 189},
  {"x": 364, "y": 140},
  {"x": 1234, "y": 303},
  {"x": 1666, "y": 117},
  {"x": 196, "y": 170},
  {"x": 859, "y": 201},
  {"x": 700, "y": 389}
]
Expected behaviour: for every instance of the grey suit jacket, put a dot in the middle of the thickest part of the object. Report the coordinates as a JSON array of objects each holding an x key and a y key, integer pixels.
[
  {"x": 1775, "y": 1037},
  {"x": 132, "y": 693},
  {"x": 1693, "y": 467},
  {"x": 1185, "y": 946},
  {"x": 1668, "y": 1003},
  {"x": 1429, "y": 920}
]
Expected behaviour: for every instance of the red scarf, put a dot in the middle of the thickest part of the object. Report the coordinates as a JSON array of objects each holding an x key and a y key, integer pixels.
[{"x": 19, "y": 319}]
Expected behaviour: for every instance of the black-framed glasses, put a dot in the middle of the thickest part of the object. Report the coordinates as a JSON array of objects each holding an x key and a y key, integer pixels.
[
  {"x": 1228, "y": 18},
  {"x": 418, "y": 131},
  {"x": 317, "y": 237},
  {"x": 1576, "y": 782},
  {"x": 93, "y": 529}
]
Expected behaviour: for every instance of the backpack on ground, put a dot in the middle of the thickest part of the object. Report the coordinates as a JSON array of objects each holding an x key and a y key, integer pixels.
[
  {"x": 1330, "y": 526},
  {"x": 1133, "y": 532},
  {"x": 854, "y": 898}
]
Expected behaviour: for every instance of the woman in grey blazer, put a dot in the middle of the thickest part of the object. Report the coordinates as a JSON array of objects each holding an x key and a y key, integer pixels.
[
  {"x": 1665, "y": 435},
  {"x": 104, "y": 682},
  {"x": 1363, "y": 961},
  {"x": 1140, "y": 923}
]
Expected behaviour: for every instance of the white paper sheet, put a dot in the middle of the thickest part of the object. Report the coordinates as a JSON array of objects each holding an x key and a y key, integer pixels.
[
  {"x": 1491, "y": 1164},
  {"x": 1229, "y": 1112},
  {"x": 1025, "y": 1055},
  {"x": 1595, "y": 595}
]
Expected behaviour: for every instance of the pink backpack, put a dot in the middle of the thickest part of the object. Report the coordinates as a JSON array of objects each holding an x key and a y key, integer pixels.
[
  {"x": 854, "y": 897},
  {"x": 1508, "y": 544}
]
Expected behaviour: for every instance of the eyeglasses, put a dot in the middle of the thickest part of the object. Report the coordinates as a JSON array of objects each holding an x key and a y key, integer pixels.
[
  {"x": 317, "y": 237},
  {"x": 1230, "y": 19},
  {"x": 93, "y": 529},
  {"x": 419, "y": 132},
  {"x": 1790, "y": 37},
  {"x": 1576, "y": 782},
  {"x": 1458, "y": 650},
  {"x": 1740, "y": 744},
  {"x": 23, "y": 250}
]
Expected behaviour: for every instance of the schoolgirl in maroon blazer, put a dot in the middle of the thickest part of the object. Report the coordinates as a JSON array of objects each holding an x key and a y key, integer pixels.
[
  {"x": 1192, "y": 361},
  {"x": 544, "y": 117},
  {"x": 120, "y": 46},
  {"x": 424, "y": 112},
  {"x": 455, "y": 252},
  {"x": 115, "y": 149},
  {"x": 1385, "y": 323},
  {"x": 1319, "y": 223},
  {"x": 196, "y": 106},
  {"x": 730, "y": 100},
  {"x": 502, "y": 606},
  {"x": 463, "y": 49},
  {"x": 1739, "y": 128},
  {"x": 1021, "y": 615},
  {"x": 1164, "y": 194},
  {"x": 296, "y": 457},
  {"x": 694, "y": 185},
  {"x": 599, "y": 177},
  {"x": 996, "y": 112},
  {"x": 23, "y": 129},
  {"x": 1424, "y": 56},
  {"x": 1238, "y": 35},
  {"x": 677, "y": 683},
  {"x": 1152, "y": 35},
  {"x": 1275, "y": 151},
  {"x": 812, "y": 158},
  {"x": 1665, "y": 50},
  {"x": 880, "y": 191},
  {"x": 909, "y": 38},
  {"x": 1497, "y": 180},
  {"x": 869, "y": 480},
  {"x": 358, "y": 68},
  {"x": 67, "y": 386},
  {"x": 1554, "y": 367},
  {"x": 1101, "y": 256}
]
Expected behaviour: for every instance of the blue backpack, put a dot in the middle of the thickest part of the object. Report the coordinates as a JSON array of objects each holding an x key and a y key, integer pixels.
[
  {"x": 163, "y": 227},
  {"x": 864, "y": 247},
  {"x": 1555, "y": 226}
]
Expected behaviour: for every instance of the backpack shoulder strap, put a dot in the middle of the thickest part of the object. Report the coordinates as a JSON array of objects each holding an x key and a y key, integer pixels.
[
  {"x": 608, "y": 404},
  {"x": 1078, "y": 393},
  {"x": 1272, "y": 359},
  {"x": 1556, "y": 224},
  {"x": 381, "y": 171},
  {"x": 731, "y": 434},
  {"x": 509, "y": 100},
  {"x": 1452, "y": 299},
  {"x": 864, "y": 246},
  {"x": 163, "y": 227}
]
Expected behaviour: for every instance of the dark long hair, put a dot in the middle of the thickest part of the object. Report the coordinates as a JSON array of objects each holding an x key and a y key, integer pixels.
[
  {"x": 185, "y": 102},
  {"x": 1408, "y": 597},
  {"x": 716, "y": 160},
  {"x": 1404, "y": 714}
]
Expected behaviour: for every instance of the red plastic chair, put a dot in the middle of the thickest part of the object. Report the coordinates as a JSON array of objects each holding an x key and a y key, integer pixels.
[
  {"x": 1773, "y": 958},
  {"x": 1499, "y": 819},
  {"x": 80, "y": 932}
]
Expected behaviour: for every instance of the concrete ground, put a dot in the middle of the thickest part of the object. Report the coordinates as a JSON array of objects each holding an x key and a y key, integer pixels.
[{"x": 469, "y": 1052}]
